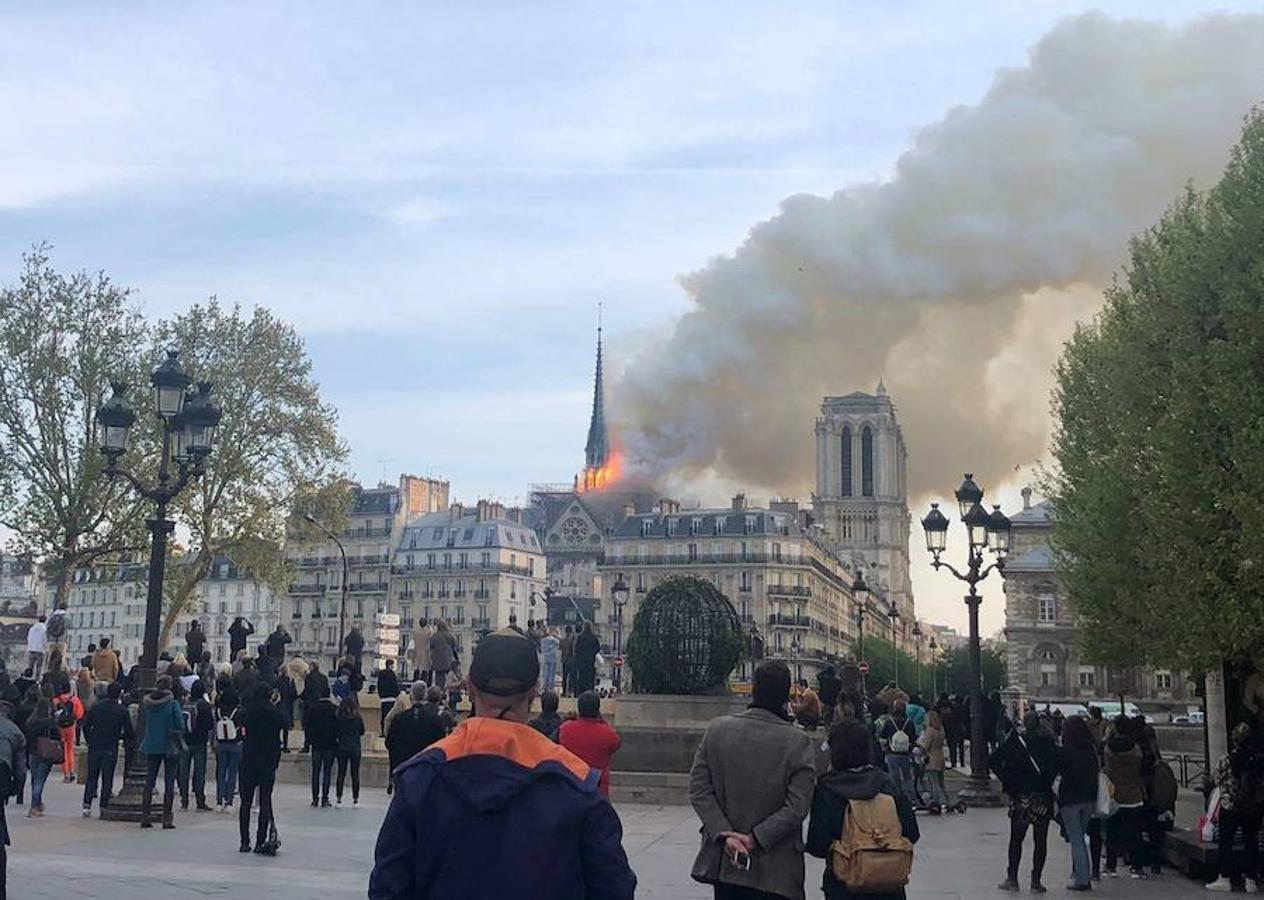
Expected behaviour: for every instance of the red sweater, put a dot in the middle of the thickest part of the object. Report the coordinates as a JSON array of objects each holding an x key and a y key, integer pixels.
[{"x": 593, "y": 741}]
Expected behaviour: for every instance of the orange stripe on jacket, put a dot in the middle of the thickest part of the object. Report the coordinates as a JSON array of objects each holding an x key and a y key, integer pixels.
[{"x": 519, "y": 743}]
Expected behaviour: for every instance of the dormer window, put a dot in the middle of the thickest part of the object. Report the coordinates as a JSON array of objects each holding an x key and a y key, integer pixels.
[
  {"x": 720, "y": 524},
  {"x": 647, "y": 525},
  {"x": 671, "y": 527},
  {"x": 749, "y": 525}
]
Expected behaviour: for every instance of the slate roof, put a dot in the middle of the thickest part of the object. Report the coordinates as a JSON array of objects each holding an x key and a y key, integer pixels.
[
  {"x": 1037, "y": 559},
  {"x": 732, "y": 523},
  {"x": 381, "y": 501},
  {"x": 433, "y": 531},
  {"x": 1038, "y": 514}
]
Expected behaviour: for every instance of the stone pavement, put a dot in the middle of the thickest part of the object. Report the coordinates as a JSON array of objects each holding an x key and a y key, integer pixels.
[{"x": 327, "y": 854}]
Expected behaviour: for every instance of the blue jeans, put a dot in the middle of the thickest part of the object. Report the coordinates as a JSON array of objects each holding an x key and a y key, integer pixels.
[
  {"x": 900, "y": 768},
  {"x": 227, "y": 762},
  {"x": 101, "y": 763},
  {"x": 1076, "y": 817},
  {"x": 39, "y": 774},
  {"x": 550, "y": 672}
]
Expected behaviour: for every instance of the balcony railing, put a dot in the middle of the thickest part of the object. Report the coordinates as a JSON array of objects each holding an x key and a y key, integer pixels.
[
  {"x": 438, "y": 568},
  {"x": 684, "y": 559},
  {"x": 300, "y": 589},
  {"x": 368, "y": 588},
  {"x": 784, "y": 621},
  {"x": 481, "y": 595},
  {"x": 477, "y": 624},
  {"x": 789, "y": 590},
  {"x": 366, "y": 532}
]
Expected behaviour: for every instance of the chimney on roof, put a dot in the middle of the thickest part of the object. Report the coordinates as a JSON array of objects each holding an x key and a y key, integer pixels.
[
  {"x": 739, "y": 503},
  {"x": 455, "y": 511},
  {"x": 514, "y": 514},
  {"x": 1026, "y": 498},
  {"x": 629, "y": 509},
  {"x": 484, "y": 510},
  {"x": 668, "y": 506}
]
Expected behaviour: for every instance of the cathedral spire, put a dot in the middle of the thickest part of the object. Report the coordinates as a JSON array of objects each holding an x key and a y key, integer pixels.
[{"x": 597, "y": 450}]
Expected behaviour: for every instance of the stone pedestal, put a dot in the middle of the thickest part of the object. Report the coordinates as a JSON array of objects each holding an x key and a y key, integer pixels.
[{"x": 688, "y": 712}]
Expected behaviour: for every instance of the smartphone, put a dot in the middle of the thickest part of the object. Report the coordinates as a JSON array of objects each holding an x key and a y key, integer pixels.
[{"x": 742, "y": 860}]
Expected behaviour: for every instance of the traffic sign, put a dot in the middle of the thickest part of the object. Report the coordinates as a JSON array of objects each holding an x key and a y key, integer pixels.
[
  {"x": 388, "y": 635},
  {"x": 863, "y": 667},
  {"x": 390, "y": 620},
  {"x": 388, "y": 651}
]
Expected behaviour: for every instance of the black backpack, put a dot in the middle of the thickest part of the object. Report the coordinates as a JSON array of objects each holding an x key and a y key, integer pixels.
[
  {"x": 66, "y": 714},
  {"x": 56, "y": 627}
]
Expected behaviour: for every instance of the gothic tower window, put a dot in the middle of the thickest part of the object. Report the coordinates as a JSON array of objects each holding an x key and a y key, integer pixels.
[
  {"x": 866, "y": 461},
  {"x": 846, "y": 491}
]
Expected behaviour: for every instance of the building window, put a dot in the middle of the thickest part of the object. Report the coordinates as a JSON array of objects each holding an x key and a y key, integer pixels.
[
  {"x": 1088, "y": 678},
  {"x": 1163, "y": 681},
  {"x": 866, "y": 461},
  {"x": 720, "y": 522},
  {"x": 646, "y": 525},
  {"x": 1048, "y": 608},
  {"x": 693, "y": 553},
  {"x": 846, "y": 491}
]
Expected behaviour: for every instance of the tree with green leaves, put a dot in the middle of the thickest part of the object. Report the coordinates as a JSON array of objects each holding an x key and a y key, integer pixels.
[
  {"x": 277, "y": 445},
  {"x": 952, "y": 676},
  {"x": 62, "y": 339},
  {"x": 1159, "y": 441}
]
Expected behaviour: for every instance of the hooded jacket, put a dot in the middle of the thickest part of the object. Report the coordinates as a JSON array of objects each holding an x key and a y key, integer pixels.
[
  {"x": 475, "y": 814},
  {"x": 829, "y": 803},
  {"x": 319, "y": 724},
  {"x": 593, "y": 741},
  {"x": 106, "y": 724},
  {"x": 162, "y": 715},
  {"x": 105, "y": 665},
  {"x": 1123, "y": 768}
]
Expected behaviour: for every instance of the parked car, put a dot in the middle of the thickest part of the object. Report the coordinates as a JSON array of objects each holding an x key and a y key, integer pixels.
[
  {"x": 1193, "y": 718},
  {"x": 1110, "y": 708}
]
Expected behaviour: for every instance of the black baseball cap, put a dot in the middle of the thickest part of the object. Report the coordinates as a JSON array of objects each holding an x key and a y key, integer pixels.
[{"x": 504, "y": 664}]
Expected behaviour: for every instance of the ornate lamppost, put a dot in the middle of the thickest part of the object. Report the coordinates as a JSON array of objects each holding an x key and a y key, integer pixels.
[
  {"x": 894, "y": 615},
  {"x": 189, "y": 420},
  {"x": 619, "y": 592},
  {"x": 860, "y": 596},
  {"x": 917, "y": 649},
  {"x": 934, "y": 667},
  {"x": 984, "y": 531}
]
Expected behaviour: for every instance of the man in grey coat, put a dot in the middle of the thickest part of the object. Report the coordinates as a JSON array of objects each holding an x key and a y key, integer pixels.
[{"x": 751, "y": 785}]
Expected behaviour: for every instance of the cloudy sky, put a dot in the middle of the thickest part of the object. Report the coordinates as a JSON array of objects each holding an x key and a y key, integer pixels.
[{"x": 438, "y": 195}]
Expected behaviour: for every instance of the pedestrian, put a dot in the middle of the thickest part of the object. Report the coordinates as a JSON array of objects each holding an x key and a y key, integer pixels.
[
  {"x": 412, "y": 730},
  {"x": 1026, "y": 764},
  {"x": 315, "y": 688},
  {"x": 806, "y": 707},
  {"x": 261, "y": 721},
  {"x": 550, "y": 652},
  {"x": 421, "y": 651},
  {"x": 55, "y": 677},
  {"x": 591, "y": 738},
  {"x": 587, "y": 646},
  {"x": 68, "y": 711},
  {"x": 274, "y": 646},
  {"x": 1123, "y": 765},
  {"x": 163, "y": 744},
  {"x": 36, "y": 642},
  {"x": 47, "y": 750},
  {"x": 348, "y": 731},
  {"x": 199, "y": 723},
  {"x": 548, "y": 721},
  {"x": 1077, "y": 797},
  {"x": 443, "y": 651},
  {"x": 85, "y": 690},
  {"x": 105, "y": 664},
  {"x": 55, "y": 633},
  {"x": 344, "y": 685},
  {"x": 1240, "y": 777},
  {"x": 12, "y": 766},
  {"x": 194, "y": 641},
  {"x": 228, "y": 742},
  {"x": 828, "y": 687},
  {"x": 434, "y": 702},
  {"x": 237, "y": 634},
  {"x": 353, "y": 648},
  {"x": 854, "y": 779},
  {"x": 453, "y": 686},
  {"x": 537, "y": 801},
  {"x": 24, "y": 682},
  {"x": 1097, "y": 728},
  {"x": 916, "y": 710},
  {"x": 751, "y": 785},
  {"x": 387, "y": 691},
  {"x": 288, "y": 694},
  {"x": 246, "y": 677},
  {"x": 896, "y": 736},
  {"x": 107, "y": 723},
  {"x": 319, "y": 727},
  {"x": 566, "y": 650},
  {"x": 932, "y": 741},
  {"x": 961, "y": 729}
]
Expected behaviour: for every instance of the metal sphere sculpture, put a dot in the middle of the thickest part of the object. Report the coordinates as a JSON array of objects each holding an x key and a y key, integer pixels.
[{"x": 686, "y": 639}]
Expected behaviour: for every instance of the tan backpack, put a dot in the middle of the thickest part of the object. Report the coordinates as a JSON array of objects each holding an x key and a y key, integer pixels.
[{"x": 872, "y": 855}]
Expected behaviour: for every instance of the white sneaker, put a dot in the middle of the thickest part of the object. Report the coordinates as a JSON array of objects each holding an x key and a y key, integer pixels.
[
  {"x": 87, "y": 812},
  {"x": 1256, "y": 887},
  {"x": 1221, "y": 884},
  {"x": 219, "y": 807}
]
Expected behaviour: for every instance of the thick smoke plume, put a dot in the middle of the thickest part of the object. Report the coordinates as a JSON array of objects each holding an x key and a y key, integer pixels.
[{"x": 957, "y": 279}]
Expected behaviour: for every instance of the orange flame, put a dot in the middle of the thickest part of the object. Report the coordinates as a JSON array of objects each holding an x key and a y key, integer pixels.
[{"x": 603, "y": 477}]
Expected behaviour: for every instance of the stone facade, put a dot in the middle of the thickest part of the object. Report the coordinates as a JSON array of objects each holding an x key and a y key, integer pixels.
[
  {"x": 861, "y": 497},
  {"x": 1043, "y": 659}
]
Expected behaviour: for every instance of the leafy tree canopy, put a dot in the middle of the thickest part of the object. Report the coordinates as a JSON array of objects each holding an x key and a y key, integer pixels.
[{"x": 1159, "y": 440}]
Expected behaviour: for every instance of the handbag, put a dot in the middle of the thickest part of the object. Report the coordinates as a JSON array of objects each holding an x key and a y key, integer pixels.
[
  {"x": 1106, "y": 805},
  {"x": 49, "y": 750}
]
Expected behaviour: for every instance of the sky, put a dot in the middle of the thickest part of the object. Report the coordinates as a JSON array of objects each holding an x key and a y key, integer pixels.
[{"x": 438, "y": 195}]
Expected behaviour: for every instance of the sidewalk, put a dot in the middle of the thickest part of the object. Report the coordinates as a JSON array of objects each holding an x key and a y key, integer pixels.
[{"x": 328, "y": 854}]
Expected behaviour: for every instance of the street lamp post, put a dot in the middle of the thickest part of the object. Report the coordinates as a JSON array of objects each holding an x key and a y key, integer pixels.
[
  {"x": 934, "y": 667},
  {"x": 342, "y": 606},
  {"x": 917, "y": 649},
  {"x": 860, "y": 596},
  {"x": 620, "y": 593},
  {"x": 189, "y": 420},
  {"x": 894, "y": 615},
  {"x": 983, "y": 530}
]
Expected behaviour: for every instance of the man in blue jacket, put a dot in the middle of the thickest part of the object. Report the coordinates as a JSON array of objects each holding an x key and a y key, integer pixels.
[{"x": 496, "y": 809}]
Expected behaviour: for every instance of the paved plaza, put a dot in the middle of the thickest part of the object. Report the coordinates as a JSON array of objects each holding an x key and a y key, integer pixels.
[{"x": 326, "y": 854}]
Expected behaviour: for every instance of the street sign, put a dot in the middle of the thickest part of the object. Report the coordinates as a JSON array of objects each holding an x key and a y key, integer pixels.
[
  {"x": 388, "y": 635},
  {"x": 618, "y": 662},
  {"x": 390, "y": 620},
  {"x": 863, "y": 667},
  {"x": 388, "y": 651}
]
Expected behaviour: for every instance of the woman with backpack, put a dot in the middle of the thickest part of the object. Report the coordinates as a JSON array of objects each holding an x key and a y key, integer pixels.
[
  {"x": 856, "y": 789},
  {"x": 1241, "y": 783},
  {"x": 348, "y": 730},
  {"x": 227, "y": 742},
  {"x": 45, "y": 751},
  {"x": 1026, "y": 763}
]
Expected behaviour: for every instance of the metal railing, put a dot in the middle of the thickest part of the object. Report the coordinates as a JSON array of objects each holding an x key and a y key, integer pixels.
[{"x": 1190, "y": 769}]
